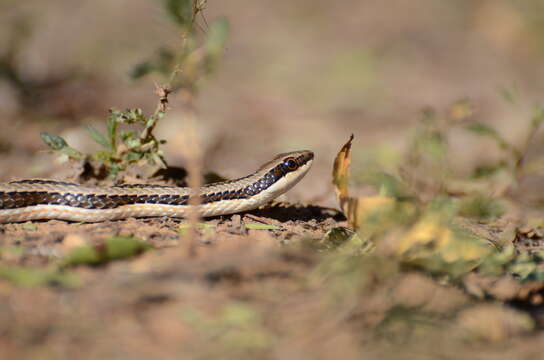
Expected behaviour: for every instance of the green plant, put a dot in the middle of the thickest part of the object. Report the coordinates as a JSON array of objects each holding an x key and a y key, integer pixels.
[
  {"x": 120, "y": 148},
  {"x": 415, "y": 216},
  {"x": 183, "y": 67},
  {"x": 514, "y": 159}
]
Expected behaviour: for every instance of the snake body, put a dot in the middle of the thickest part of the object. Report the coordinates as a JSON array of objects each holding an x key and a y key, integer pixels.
[{"x": 48, "y": 199}]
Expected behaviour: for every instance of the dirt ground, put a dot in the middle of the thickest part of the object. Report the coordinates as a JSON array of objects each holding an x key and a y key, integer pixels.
[{"x": 266, "y": 284}]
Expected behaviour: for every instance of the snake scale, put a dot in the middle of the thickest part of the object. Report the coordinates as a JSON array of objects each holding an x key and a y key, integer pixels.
[{"x": 34, "y": 199}]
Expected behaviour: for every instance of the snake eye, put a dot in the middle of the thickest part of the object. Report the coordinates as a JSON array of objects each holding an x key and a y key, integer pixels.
[{"x": 291, "y": 164}]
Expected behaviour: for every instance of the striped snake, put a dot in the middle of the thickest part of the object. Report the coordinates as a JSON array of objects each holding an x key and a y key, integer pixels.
[{"x": 48, "y": 199}]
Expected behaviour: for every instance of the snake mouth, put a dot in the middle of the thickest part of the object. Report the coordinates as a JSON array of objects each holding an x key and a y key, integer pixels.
[{"x": 307, "y": 155}]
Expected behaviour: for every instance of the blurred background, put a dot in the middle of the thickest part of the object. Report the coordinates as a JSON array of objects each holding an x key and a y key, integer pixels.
[{"x": 295, "y": 74}]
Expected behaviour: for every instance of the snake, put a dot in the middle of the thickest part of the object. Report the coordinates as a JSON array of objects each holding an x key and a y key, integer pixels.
[{"x": 41, "y": 199}]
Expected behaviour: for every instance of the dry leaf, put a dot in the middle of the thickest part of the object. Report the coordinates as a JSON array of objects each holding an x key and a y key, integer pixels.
[
  {"x": 340, "y": 172},
  {"x": 360, "y": 210}
]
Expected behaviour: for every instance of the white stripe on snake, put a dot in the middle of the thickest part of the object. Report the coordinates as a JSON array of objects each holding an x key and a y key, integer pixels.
[{"x": 49, "y": 199}]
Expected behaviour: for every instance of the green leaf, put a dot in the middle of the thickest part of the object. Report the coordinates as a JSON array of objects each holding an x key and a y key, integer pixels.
[
  {"x": 163, "y": 63},
  {"x": 72, "y": 153},
  {"x": 112, "y": 123},
  {"x": 142, "y": 70},
  {"x": 114, "y": 248},
  {"x": 120, "y": 247},
  {"x": 387, "y": 184},
  {"x": 114, "y": 170},
  {"x": 537, "y": 119},
  {"x": 132, "y": 156},
  {"x": 338, "y": 236},
  {"x": 83, "y": 255},
  {"x": 511, "y": 95},
  {"x": 159, "y": 116},
  {"x": 200, "y": 225},
  {"x": 127, "y": 135},
  {"x": 29, "y": 226},
  {"x": 132, "y": 143},
  {"x": 130, "y": 116},
  {"x": 55, "y": 142},
  {"x": 260, "y": 226},
  {"x": 481, "y": 207},
  {"x": 432, "y": 143},
  {"x": 216, "y": 38},
  {"x": 181, "y": 11},
  {"x": 485, "y": 171},
  {"x": 481, "y": 129},
  {"x": 150, "y": 122},
  {"x": 438, "y": 247},
  {"x": 59, "y": 144},
  {"x": 205, "y": 227},
  {"x": 98, "y": 137},
  {"x": 103, "y": 156},
  {"x": 23, "y": 276},
  {"x": 523, "y": 265}
]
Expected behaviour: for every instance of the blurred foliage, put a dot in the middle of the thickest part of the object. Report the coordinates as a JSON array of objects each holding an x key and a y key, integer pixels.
[
  {"x": 236, "y": 328},
  {"x": 524, "y": 266},
  {"x": 183, "y": 67},
  {"x": 341, "y": 240},
  {"x": 413, "y": 217},
  {"x": 26, "y": 276},
  {"x": 206, "y": 229},
  {"x": 186, "y": 65},
  {"x": 440, "y": 247},
  {"x": 413, "y": 225},
  {"x": 114, "y": 248},
  {"x": 425, "y": 171},
  {"x": 480, "y": 207}
]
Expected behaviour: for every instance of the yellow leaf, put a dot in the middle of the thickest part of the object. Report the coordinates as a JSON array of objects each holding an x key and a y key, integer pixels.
[
  {"x": 440, "y": 246},
  {"x": 356, "y": 210},
  {"x": 340, "y": 172},
  {"x": 425, "y": 232},
  {"x": 360, "y": 210}
]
